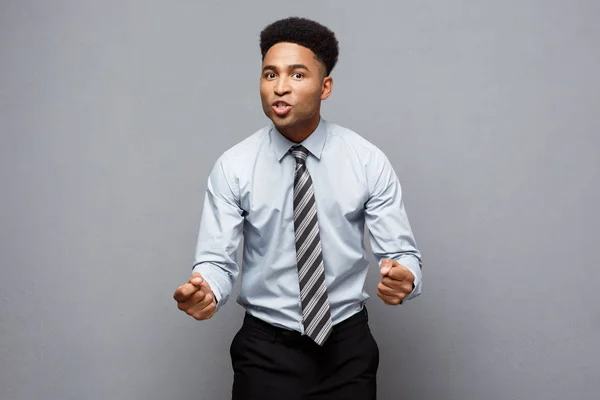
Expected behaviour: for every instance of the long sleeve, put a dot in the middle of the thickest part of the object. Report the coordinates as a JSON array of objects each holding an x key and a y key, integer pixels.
[
  {"x": 386, "y": 219},
  {"x": 220, "y": 233}
]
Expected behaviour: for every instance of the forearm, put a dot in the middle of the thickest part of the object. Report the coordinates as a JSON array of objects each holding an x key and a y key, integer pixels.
[
  {"x": 390, "y": 231},
  {"x": 219, "y": 235}
]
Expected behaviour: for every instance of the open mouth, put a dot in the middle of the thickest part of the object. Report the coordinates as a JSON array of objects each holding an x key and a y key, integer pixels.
[{"x": 281, "y": 107}]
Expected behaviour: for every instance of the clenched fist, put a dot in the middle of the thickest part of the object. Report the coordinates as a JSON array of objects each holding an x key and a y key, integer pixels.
[
  {"x": 196, "y": 298},
  {"x": 397, "y": 282}
]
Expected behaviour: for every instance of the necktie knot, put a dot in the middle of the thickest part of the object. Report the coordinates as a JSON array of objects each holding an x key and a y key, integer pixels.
[{"x": 300, "y": 153}]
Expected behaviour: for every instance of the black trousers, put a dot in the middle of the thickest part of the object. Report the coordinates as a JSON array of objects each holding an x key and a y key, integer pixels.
[{"x": 274, "y": 363}]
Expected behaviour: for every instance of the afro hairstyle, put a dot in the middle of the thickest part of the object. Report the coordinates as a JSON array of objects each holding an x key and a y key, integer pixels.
[{"x": 304, "y": 32}]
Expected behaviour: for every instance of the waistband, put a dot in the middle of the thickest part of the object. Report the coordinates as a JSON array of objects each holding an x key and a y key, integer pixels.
[{"x": 276, "y": 332}]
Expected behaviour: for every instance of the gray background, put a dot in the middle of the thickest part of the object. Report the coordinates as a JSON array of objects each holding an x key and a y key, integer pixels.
[{"x": 112, "y": 113}]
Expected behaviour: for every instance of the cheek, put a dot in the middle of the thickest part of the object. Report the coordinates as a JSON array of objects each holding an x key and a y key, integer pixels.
[
  {"x": 310, "y": 96},
  {"x": 264, "y": 101},
  {"x": 263, "y": 92},
  {"x": 265, "y": 88}
]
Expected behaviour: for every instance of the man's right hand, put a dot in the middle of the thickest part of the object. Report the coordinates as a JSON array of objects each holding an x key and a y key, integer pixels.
[{"x": 196, "y": 298}]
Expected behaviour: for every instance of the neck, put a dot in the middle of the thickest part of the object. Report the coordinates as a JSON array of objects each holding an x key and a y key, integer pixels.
[{"x": 298, "y": 134}]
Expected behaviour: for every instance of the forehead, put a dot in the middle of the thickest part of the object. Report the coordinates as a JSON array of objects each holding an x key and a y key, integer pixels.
[{"x": 288, "y": 54}]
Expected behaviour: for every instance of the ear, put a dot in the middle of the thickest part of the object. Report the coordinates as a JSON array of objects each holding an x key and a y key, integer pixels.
[{"x": 327, "y": 87}]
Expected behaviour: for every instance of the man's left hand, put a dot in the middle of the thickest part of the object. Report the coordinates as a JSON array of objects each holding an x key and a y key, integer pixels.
[{"x": 397, "y": 282}]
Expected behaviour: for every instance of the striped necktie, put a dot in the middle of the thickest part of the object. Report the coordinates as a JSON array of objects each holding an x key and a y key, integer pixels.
[{"x": 311, "y": 272}]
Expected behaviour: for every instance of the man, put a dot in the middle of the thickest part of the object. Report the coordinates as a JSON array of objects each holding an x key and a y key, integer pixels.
[{"x": 300, "y": 191}]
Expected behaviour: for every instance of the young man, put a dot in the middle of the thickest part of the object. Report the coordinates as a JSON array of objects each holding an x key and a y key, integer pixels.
[{"x": 300, "y": 191}]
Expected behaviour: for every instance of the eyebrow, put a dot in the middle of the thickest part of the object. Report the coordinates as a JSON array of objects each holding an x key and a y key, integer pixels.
[{"x": 293, "y": 66}]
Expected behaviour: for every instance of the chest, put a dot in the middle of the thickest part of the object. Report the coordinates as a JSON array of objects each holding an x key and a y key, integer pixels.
[{"x": 340, "y": 187}]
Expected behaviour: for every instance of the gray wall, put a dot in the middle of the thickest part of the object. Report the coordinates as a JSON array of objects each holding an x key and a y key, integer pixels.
[{"x": 112, "y": 113}]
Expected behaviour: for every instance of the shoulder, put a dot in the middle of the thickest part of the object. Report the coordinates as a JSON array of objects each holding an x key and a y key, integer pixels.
[
  {"x": 235, "y": 158},
  {"x": 362, "y": 148},
  {"x": 366, "y": 156},
  {"x": 247, "y": 148},
  {"x": 233, "y": 161}
]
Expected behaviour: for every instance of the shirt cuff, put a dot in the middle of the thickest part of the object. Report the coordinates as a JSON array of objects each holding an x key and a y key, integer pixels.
[
  {"x": 212, "y": 278},
  {"x": 414, "y": 266}
]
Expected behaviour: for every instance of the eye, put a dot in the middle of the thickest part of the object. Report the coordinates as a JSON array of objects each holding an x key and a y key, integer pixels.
[
  {"x": 298, "y": 75},
  {"x": 270, "y": 75}
]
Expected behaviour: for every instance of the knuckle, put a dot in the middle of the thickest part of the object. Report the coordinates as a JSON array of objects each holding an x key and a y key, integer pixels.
[
  {"x": 198, "y": 315},
  {"x": 209, "y": 305}
]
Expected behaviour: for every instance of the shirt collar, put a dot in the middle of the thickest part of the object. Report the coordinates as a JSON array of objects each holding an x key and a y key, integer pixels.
[{"x": 314, "y": 143}]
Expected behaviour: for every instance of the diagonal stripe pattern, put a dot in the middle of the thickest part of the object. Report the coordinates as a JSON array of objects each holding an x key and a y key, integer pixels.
[{"x": 311, "y": 272}]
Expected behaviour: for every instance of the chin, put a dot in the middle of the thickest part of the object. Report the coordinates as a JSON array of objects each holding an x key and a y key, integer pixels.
[{"x": 281, "y": 123}]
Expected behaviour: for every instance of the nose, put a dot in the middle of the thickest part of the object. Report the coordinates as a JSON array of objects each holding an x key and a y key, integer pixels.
[{"x": 281, "y": 87}]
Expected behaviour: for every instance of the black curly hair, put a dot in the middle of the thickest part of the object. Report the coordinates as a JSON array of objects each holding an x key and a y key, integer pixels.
[{"x": 304, "y": 32}]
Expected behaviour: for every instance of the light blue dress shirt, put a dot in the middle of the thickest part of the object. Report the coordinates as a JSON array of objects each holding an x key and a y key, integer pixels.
[{"x": 250, "y": 191}]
